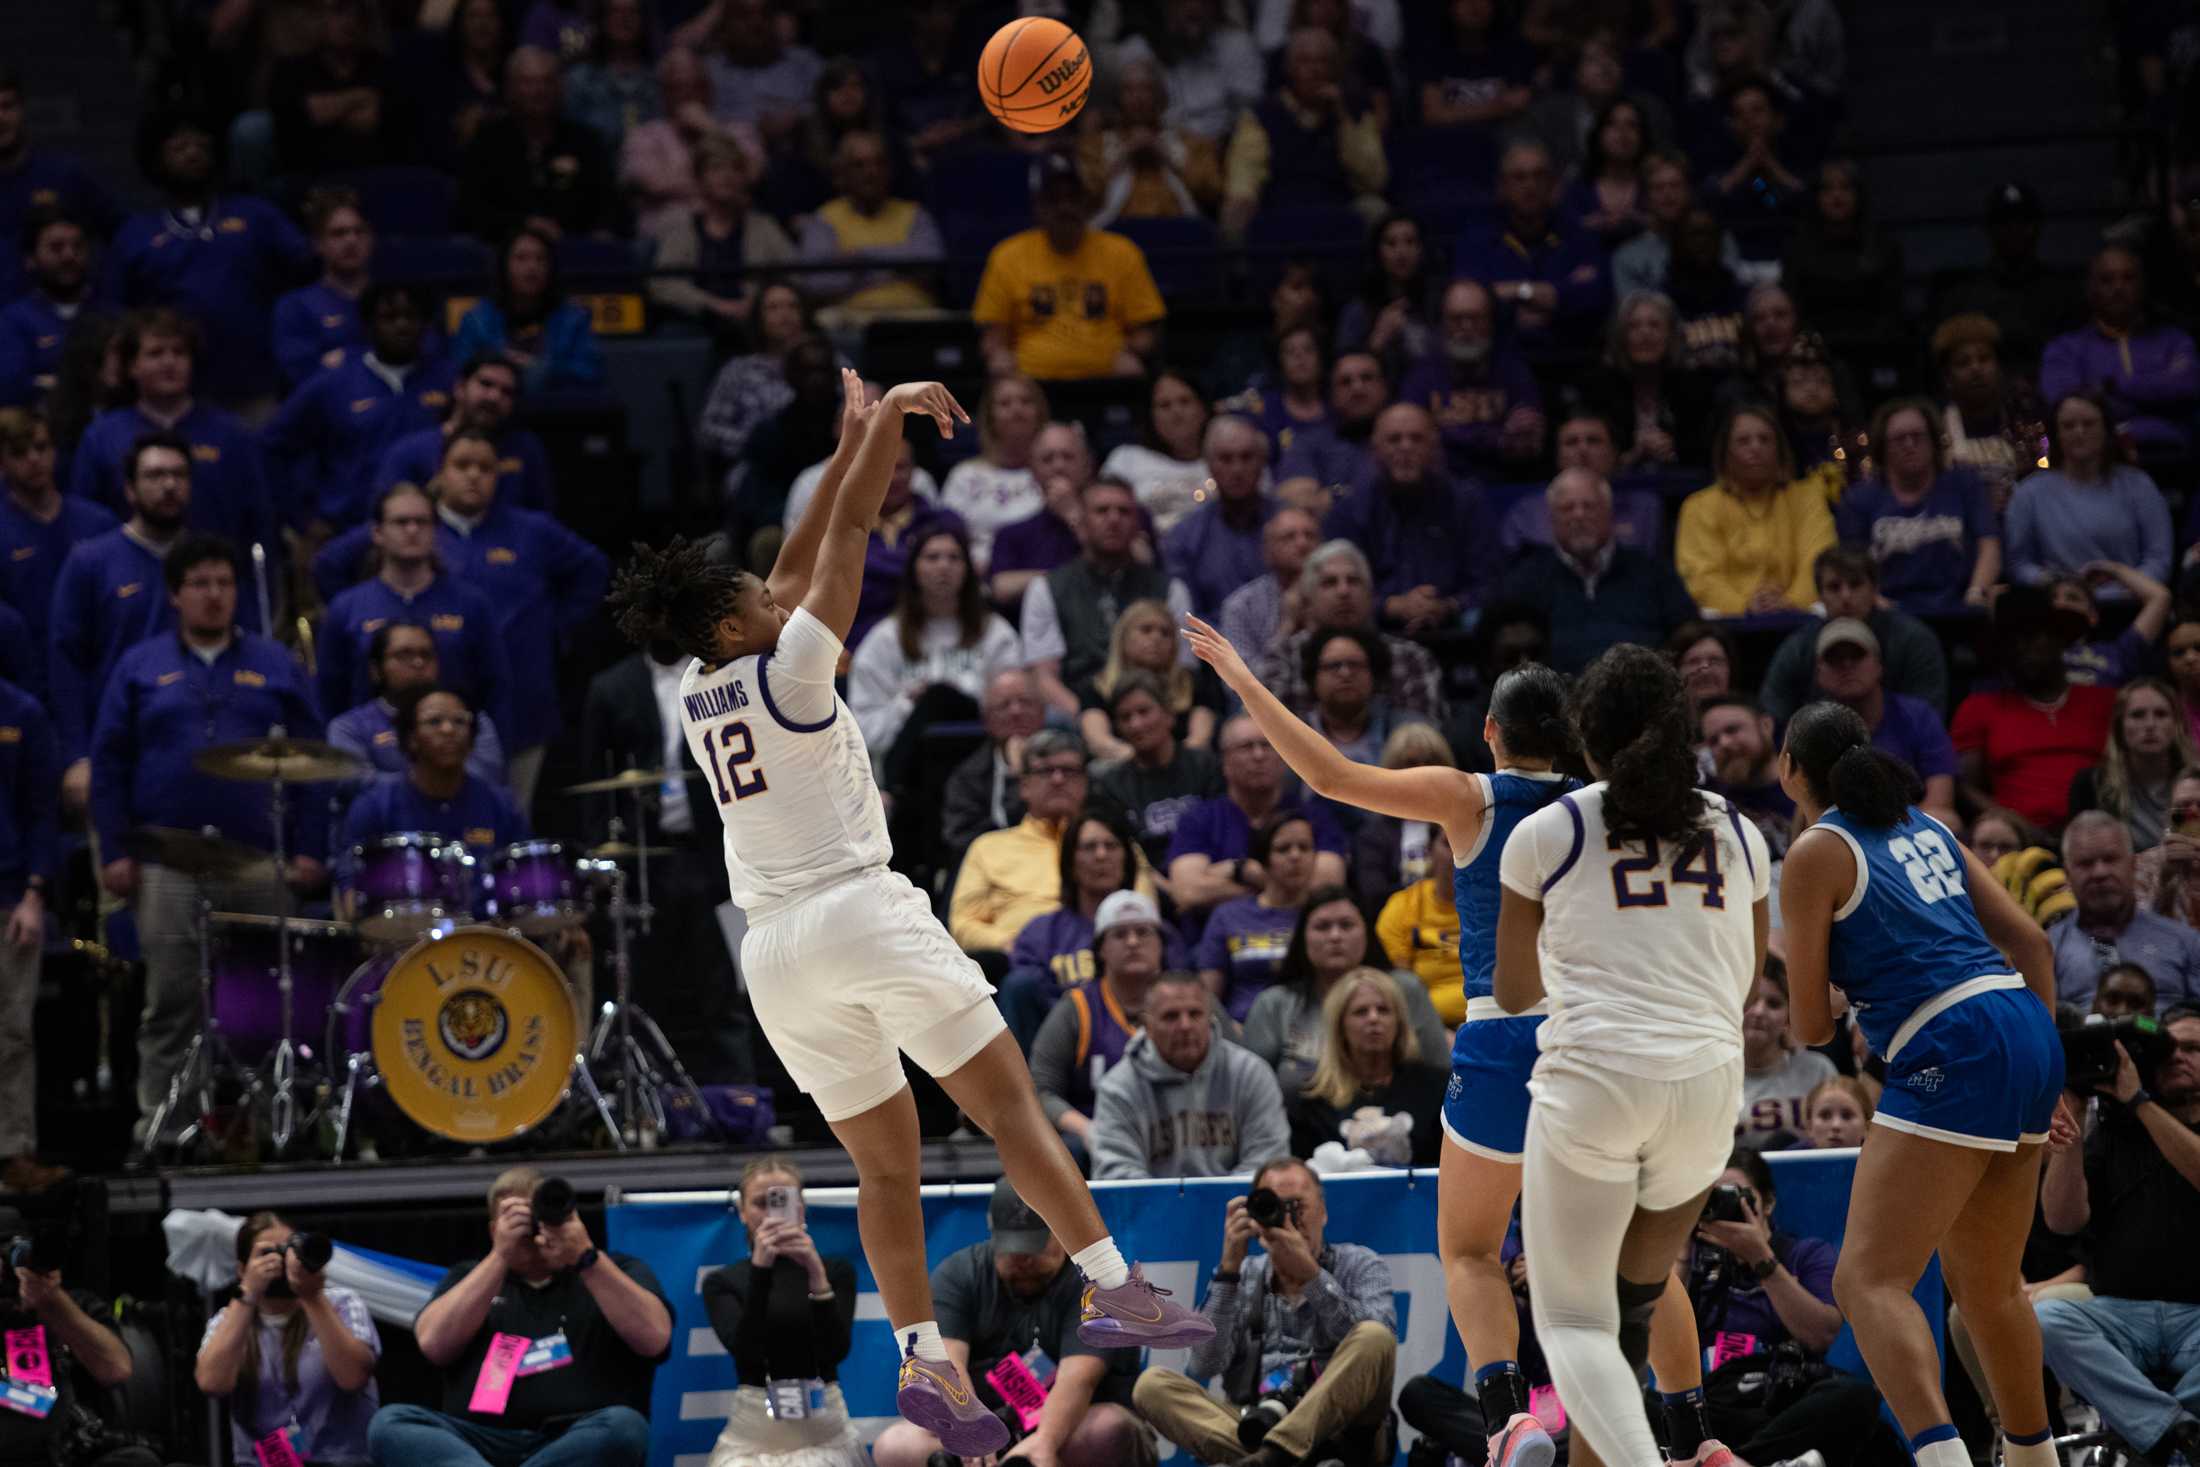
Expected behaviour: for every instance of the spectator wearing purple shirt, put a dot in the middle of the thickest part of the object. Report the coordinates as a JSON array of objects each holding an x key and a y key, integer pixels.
[
  {"x": 1849, "y": 672},
  {"x": 1482, "y": 396},
  {"x": 1930, "y": 527},
  {"x": 2148, "y": 373},
  {"x": 2089, "y": 504},
  {"x": 2110, "y": 662},
  {"x": 1053, "y": 952},
  {"x": 1247, "y": 936},
  {"x": 1425, "y": 535},
  {"x": 1549, "y": 280},
  {"x": 1209, "y": 856},
  {"x": 1217, "y": 548},
  {"x": 35, "y": 178},
  {"x": 1337, "y": 451},
  {"x": 1026, "y": 549}
]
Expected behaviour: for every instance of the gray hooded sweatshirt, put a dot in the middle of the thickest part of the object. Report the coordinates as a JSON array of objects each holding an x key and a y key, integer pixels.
[{"x": 1153, "y": 1120}]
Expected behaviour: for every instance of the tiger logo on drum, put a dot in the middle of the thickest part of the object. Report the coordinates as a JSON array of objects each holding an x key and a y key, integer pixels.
[{"x": 473, "y": 1024}]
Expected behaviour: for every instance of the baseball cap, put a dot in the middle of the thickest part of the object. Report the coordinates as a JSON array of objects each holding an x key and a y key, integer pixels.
[
  {"x": 1052, "y": 170},
  {"x": 1121, "y": 909},
  {"x": 1847, "y": 631},
  {"x": 2012, "y": 200},
  {"x": 1016, "y": 1228}
]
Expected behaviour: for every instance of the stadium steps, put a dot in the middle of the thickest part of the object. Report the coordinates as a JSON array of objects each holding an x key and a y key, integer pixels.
[{"x": 1942, "y": 98}]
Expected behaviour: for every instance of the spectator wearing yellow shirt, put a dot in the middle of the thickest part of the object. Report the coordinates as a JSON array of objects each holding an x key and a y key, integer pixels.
[
  {"x": 864, "y": 224},
  {"x": 1064, "y": 301},
  {"x": 1419, "y": 928},
  {"x": 1745, "y": 545}
]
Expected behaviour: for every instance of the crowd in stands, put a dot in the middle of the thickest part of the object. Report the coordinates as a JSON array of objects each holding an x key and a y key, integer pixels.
[{"x": 1562, "y": 325}]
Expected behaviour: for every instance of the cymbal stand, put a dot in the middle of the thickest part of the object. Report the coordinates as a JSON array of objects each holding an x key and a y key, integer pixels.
[
  {"x": 285, "y": 1061},
  {"x": 645, "y": 1058},
  {"x": 206, "y": 1055}
]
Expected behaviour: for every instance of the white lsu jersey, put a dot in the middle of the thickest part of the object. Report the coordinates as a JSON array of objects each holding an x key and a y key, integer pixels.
[
  {"x": 788, "y": 768},
  {"x": 1647, "y": 962}
]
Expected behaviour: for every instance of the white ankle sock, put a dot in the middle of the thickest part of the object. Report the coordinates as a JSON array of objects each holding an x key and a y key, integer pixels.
[
  {"x": 1103, "y": 1264},
  {"x": 1950, "y": 1453},
  {"x": 2029, "y": 1454},
  {"x": 922, "y": 1340}
]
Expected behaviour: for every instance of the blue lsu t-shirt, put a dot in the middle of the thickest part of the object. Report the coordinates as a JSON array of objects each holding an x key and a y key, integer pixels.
[
  {"x": 1508, "y": 797},
  {"x": 1908, "y": 931}
]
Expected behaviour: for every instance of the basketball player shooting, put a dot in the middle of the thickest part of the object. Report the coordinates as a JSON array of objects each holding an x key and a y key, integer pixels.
[{"x": 846, "y": 964}]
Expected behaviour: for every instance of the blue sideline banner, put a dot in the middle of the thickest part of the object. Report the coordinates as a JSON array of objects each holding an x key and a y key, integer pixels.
[{"x": 1173, "y": 1228}]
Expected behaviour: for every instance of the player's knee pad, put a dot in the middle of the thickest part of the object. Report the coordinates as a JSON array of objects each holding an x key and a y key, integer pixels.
[{"x": 1637, "y": 1302}]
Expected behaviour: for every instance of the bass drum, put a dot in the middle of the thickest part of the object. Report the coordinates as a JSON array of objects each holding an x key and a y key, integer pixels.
[{"x": 474, "y": 1033}]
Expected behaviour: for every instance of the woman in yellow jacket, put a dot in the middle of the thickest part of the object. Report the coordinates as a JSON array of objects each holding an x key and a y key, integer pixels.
[
  {"x": 1745, "y": 545},
  {"x": 1419, "y": 929}
]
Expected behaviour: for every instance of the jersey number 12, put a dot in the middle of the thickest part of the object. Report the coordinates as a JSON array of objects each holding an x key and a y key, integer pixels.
[{"x": 744, "y": 781}]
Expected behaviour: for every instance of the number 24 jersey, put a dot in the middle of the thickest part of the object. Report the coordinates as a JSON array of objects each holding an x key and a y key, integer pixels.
[
  {"x": 1647, "y": 953},
  {"x": 788, "y": 768}
]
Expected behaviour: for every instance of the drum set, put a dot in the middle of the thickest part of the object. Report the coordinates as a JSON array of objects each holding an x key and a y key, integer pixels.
[{"x": 432, "y": 991}]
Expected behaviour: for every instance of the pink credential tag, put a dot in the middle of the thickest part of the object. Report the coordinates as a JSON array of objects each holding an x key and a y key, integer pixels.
[
  {"x": 276, "y": 1451},
  {"x": 28, "y": 1362},
  {"x": 499, "y": 1368},
  {"x": 1728, "y": 1345}
]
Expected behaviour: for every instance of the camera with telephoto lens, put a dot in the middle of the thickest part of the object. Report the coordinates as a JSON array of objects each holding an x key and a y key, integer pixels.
[
  {"x": 2089, "y": 1047},
  {"x": 1270, "y": 1211},
  {"x": 553, "y": 1202},
  {"x": 312, "y": 1250},
  {"x": 1267, "y": 1412},
  {"x": 41, "y": 1250},
  {"x": 1726, "y": 1203}
]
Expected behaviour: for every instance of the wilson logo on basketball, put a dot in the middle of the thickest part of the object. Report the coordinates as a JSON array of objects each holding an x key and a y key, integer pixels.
[{"x": 1056, "y": 78}]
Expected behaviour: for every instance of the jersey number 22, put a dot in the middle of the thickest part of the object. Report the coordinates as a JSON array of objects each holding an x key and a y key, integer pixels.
[
  {"x": 739, "y": 746},
  {"x": 1929, "y": 864}
]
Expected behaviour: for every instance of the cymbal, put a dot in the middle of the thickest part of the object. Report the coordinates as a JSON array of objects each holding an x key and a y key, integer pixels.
[
  {"x": 262, "y": 761},
  {"x": 619, "y": 850},
  {"x": 195, "y": 852},
  {"x": 629, "y": 779}
]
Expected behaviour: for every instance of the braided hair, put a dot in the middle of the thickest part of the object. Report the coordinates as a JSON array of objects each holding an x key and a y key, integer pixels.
[
  {"x": 678, "y": 595},
  {"x": 1632, "y": 715}
]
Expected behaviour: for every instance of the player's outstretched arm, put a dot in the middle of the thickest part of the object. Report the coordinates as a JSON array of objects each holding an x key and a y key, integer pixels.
[
  {"x": 838, "y": 583},
  {"x": 1451, "y": 798},
  {"x": 797, "y": 559}
]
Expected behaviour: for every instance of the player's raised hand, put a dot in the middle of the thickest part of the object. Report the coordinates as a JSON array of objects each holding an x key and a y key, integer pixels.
[
  {"x": 931, "y": 399},
  {"x": 1212, "y": 648},
  {"x": 856, "y": 407}
]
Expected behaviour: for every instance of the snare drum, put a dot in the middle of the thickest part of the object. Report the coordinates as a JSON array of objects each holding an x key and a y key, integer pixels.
[
  {"x": 535, "y": 889},
  {"x": 473, "y": 1031},
  {"x": 245, "y": 979},
  {"x": 407, "y": 884}
]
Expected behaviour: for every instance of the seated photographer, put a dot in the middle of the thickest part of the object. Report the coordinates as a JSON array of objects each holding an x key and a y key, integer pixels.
[
  {"x": 547, "y": 1347},
  {"x": 1766, "y": 1317},
  {"x": 1370, "y": 1091},
  {"x": 1184, "y": 1101},
  {"x": 784, "y": 1314},
  {"x": 1306, "y": 1308},
  {"x": 1008, "y": 1311},
  {"x": 293, "y": 1355},
  {"x": 56, "y": 1402},
  {"x": 2132, "y": 1188}
]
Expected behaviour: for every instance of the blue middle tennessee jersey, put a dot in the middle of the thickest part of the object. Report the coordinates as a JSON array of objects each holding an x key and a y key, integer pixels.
[
  {"x": 1508, "y": 797},
  {"x": 1908, "y": 930}
]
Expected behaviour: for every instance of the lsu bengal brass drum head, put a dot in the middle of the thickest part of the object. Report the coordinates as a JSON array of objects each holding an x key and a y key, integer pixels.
[{"x": 475, "y": 1034}]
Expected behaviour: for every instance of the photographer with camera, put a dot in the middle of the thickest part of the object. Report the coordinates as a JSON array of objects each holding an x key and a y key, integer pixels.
[
  {"x": 59, "y": 1353},
  {"x": 547, "y": 1346},
  {"x": 1765, "y": 1318},
  {"x": 784, "y": 1314},
  {"x": 1305, "y": 1338},
  {"x": 293, "y": 1355},
  {"x": 1008, "y": 1311},
  {"x": 2132, "y": 1187}
]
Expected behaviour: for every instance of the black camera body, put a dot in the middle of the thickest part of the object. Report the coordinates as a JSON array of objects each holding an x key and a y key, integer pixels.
[
  {"x": 1267, "y": 1412},
  {"x": 2089, "y": 1047},
  {"x": 553, "y": 1202},
  {"x": 1726, "y": 1203},
  {"x": 1263, "y": 1206},
  {"x": 312, "y": 1250}
]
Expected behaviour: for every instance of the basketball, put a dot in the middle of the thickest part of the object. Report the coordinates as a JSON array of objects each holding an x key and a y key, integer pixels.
[{"x": 1034, "y": 74}]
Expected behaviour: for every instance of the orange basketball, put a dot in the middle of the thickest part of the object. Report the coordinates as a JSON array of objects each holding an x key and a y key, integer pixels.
[{"x": 1034, "y": 74}]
